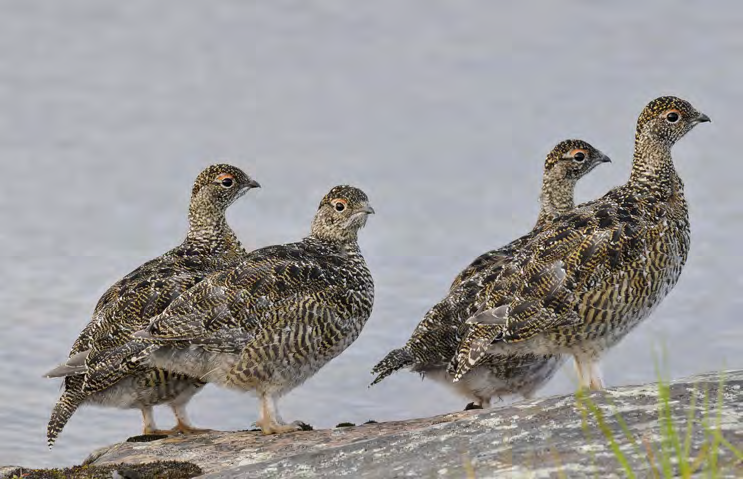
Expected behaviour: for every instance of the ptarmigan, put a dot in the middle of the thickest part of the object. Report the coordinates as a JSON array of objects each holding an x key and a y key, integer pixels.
[
  {"x": 581, "y": 284},
  {"x": 434, "y": 342},
  {"x": 272, "y": 322},
  {"x": 127, "y": 306}
]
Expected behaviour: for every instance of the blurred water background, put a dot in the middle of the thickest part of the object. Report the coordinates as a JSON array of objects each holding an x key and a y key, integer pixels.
[{"x": 441, "y": 111}]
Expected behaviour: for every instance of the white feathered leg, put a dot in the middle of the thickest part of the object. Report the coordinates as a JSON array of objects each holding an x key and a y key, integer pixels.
[{"x": 270, "y": 421}]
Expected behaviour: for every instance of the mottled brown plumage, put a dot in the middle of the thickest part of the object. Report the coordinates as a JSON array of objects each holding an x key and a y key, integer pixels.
[
  {"x": 270, "y": 323},
  {"x": 581, "y": 284},
  {"x": 434, "y": 342},
  {"x": 126, "y": 307},
  {"x": 561, "y": 173}
]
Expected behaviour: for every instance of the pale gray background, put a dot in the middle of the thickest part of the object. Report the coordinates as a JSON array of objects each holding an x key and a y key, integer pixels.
[{"x": 441, "y": 111}]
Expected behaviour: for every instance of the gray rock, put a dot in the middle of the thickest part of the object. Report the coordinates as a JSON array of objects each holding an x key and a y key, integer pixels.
[{"x": 546, "y": 437}]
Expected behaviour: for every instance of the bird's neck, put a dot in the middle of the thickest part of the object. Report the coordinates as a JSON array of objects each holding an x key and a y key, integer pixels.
[
  {"x": 345, "y": 240},
  {"x": 208, "y": 229},
  {"x": 557, "y": 197},
  {"x": 652, "y": 167},
  {"x": 325, "y": 229}
]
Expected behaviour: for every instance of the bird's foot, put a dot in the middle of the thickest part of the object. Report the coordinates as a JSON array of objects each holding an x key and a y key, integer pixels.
[
  {"x": 159, "y": 432},
  {"x": 269, "y": 428},
  {"x": 591, "y": 386},
  {"x": 471, "y": 406},
  {"x": 187, "y": 429},
  {"x": 596, "y": 383},
  {"x": 180, "y": 428}
]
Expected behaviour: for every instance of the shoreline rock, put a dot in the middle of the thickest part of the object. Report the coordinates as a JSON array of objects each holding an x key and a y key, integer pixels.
[{"x": 544, "y": 437}]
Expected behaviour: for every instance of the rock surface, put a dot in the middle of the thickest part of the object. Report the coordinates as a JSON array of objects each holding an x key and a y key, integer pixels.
[
  {"x": 165, "y": 469},
  {"x": 540, "y": 438}
]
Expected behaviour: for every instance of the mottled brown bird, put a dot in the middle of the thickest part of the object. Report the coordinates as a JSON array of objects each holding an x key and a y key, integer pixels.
[
  {"x": 127, "y": 306},
  {"x": 581, "y": 284},
  {"x": 569, "y": 161},
  {"x": 434, "y": 342},
  {"x": 272, "y": 322}
]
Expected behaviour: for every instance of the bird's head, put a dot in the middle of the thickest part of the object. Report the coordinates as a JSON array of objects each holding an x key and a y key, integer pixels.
[
  {"x": 221, "y": 185},
  {"x": 342, "y": 212},
  {"x": 571, "y": 160},
  {"x": 668, "y": 119}
]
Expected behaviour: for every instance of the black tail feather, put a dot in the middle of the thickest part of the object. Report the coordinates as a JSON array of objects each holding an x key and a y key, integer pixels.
[
  {"x": 71, "y": 399},
  {"x": 394, "y": 361}
]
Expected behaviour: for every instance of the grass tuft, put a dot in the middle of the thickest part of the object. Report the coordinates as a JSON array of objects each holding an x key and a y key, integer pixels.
[{"x": 673, "y": 454}]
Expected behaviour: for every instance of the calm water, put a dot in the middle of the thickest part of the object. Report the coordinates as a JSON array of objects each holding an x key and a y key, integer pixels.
[{"x": 441, "y": 111}]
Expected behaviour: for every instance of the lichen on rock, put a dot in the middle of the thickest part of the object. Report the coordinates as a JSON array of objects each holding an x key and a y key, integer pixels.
[
  {"x": 559, "y": 436},
  {"x": 169, "y": 469}
]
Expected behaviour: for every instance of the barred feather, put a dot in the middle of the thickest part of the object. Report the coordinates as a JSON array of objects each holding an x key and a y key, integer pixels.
[
  {"x": 71, "y": 399},
  {"x": 126, "y": 307},
  {"x": 583, "y": 283},
  {"x": 394, "y": 361},
  {"x": 433, "y": 344}
]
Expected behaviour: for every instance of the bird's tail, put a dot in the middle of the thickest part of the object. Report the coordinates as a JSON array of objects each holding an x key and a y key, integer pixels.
[
  {"x": 394, "y": 361},
  {"x": 472, "y": 349},
  {"x": 72, "y": 397}
]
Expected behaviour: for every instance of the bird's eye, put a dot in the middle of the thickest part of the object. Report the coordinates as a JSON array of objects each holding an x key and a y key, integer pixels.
[
  {"x": 339, "y": 205},
  {"x": 579, "y": 157},
  {"x": 225, "y": 179},
  {"x": 672, "y": 116}
]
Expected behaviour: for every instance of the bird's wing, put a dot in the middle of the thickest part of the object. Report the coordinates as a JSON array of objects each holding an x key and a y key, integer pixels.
[
  {"x": 303, "y": 330},
  {"x": 244, "y": 297},
  {"x": 537, "y": 292},
  {"x": 128, "y": 304},
  {"x": 126, "y": 307},
  {"x": 490, "y": 262},
  {"x": 435, "y": 339},
  {"x": 230, "y": 308}
]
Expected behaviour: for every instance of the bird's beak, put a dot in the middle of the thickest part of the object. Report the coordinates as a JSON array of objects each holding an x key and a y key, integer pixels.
[
  {"x": 604, "y": 159},
  {"x": 367, "y": 209},
  {"x": 702, "y": 118},
  {"x": 253, "y": 184}
]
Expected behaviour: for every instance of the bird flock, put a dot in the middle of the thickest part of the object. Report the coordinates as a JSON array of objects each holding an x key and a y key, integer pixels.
[{"x": 265, "y": 321}]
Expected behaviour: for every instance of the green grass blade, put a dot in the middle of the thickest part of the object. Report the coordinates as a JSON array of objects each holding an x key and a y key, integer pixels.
[
  {"x": 663, "y": 420},
  {"x": 580, "y": 396},
  {"x": 690, "y": 418},
  {"x": 671, "y": 436},
  {"x": 606, "y": 430},
  {"x": 625, "y": 429},
  {"x": 651, "y": 458},
  {"x": 715, "y": 452},
  {"x": 729, "y": 446}
]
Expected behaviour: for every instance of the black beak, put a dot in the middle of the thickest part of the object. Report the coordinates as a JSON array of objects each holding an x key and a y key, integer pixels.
[
  {"x": 367, "y": 209},
  {"x": 702, "y": 118},
  {"x": 253, "y": 184},
  {"x": 605, "y": 159}
]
